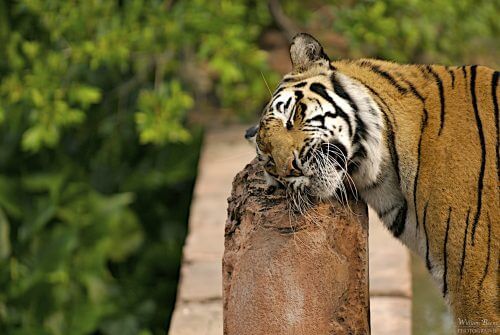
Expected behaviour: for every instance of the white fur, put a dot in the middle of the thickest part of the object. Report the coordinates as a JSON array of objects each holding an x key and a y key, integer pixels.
[{"x": 376, "y": 166}]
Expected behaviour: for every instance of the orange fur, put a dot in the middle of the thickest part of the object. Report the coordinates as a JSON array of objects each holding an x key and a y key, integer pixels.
[
  {"x": 435, "y": 164},
  {"x": 449, "y": 171}
]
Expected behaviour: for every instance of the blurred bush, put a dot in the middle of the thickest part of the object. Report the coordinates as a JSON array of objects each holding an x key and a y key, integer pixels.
[
  {"x": 97, "y": 154},
  {"x": 97, "y": 157},
  {"x": 407, "y": 31},
  {"x": 441, "y": 31}
]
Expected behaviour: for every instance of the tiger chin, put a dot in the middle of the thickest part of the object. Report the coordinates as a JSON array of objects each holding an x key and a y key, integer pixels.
[{"x": 419, "y": 143}]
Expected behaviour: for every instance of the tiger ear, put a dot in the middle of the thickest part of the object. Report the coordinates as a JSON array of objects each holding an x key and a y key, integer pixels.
[{"x": 306, "y": 51}]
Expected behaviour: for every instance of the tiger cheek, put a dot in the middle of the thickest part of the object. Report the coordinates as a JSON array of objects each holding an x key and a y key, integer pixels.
[{"x": 263, "y": 141}]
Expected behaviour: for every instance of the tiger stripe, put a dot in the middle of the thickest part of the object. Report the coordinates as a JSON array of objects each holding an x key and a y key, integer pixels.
[
  {"x": 360, "y": 129},
  {"x": 464, "y": 71},
  {"x": 414, "y": 90},
  {"x": 482, "y": 142},
  {"x": 488, "y": 259},
  {"x": 439, "y": 83},
  {"x": 340, "y": 91},
  {"x": 420, "y": 152},
  {"x": 398, "y": 225},
  {"x": 320, "y": 89},
  {"x": 384, "y": 74},
  {"x": 494, "y": 85},
  {"x": 464, "y": 246},
  {"x": 300, "y": 84},
  {"x": 423, "y": 124},
  {"x": 452, "y": 75},
  {"x": 391, "y": 138},
  {"x": 445, "y": 255},
  {"x": 424, "y": 224}
]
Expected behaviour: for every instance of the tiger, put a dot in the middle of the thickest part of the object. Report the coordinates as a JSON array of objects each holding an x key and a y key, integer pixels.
[{"x": 418, "y": 143}]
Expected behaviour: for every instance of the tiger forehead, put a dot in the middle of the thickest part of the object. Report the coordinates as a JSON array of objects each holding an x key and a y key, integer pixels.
[
  {"x": 290, "y": 92},
  {"x": 274, "y": 137},
  {"x": 273, "y": 134}
]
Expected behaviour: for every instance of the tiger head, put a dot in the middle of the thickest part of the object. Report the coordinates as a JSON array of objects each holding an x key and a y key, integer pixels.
[{"x": 310, "y": 134}]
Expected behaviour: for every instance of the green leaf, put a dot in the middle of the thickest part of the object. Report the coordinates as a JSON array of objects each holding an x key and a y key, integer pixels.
[
  {"x": 2, "y": 114},
  {"x": 34, "y": 225},
  {"x": 127, "y": 237},
  {"x": 4, "y": 236},
  {"x": 40, "y": 135},
  {"x": 85, "y": 95},
  {"x": 8, "y": 197},
  {"x": 159, "y": 118}
]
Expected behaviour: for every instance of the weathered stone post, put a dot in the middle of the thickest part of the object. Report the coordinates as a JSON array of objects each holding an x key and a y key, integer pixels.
[{"x": 283, "y": 276}]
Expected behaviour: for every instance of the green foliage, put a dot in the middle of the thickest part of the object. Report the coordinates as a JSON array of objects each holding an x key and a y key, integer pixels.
[
  {"x": 97, "y": 156},
  {"x": 58, "y": 58},
  {"x": 416, "y": 31},
  {"x": 160, "y": 114},
  {"x": 441, "y": 31},
  {"x": 57, "y": 273}
]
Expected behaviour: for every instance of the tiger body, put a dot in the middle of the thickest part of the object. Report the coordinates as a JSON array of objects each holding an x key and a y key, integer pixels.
[{"x": 420, "y": 144}]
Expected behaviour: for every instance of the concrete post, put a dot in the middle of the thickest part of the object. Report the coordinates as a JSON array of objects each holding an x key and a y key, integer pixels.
[{"x": 306, "y": 275}]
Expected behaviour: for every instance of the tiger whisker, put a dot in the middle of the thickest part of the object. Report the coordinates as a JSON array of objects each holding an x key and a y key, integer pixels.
[{"x": 267, "y": 85}]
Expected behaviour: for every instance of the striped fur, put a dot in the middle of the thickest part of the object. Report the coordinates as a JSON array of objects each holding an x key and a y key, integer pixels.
[{"x": 419, "y": 142}]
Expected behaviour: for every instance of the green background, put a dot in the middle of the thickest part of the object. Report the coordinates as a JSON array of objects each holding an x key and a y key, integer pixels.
[{"x": 102, "y": 109}]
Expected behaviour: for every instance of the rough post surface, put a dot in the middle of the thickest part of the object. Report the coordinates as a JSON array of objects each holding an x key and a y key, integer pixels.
[{"x": 293, "y": 276}]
